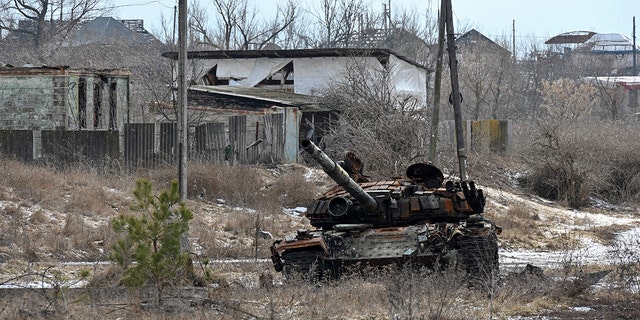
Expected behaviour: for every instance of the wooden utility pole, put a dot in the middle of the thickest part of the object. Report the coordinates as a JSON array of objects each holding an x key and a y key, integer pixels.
[
  {"x": 183, "y": 129},
  {"x": 635, "y": 66},
  {"x": 435, "y": 119},
  {"x": 633, "y": 93},
  {"x": 182, "y": 99},
  {"x": 513, "y": 39},
  {"x": 456, "y": 97}
]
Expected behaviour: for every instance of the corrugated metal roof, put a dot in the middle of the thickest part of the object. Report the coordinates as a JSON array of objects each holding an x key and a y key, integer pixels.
[
  {"x": 571, "y": 37},
  {"x": 380, "y": 54},
  {"x": 608, "y": 42},
  {"x": 106, "y": 30},
  {"x": 269, "y": 96}
]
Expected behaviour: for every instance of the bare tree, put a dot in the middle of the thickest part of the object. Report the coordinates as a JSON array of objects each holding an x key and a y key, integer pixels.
[
  {"x": 337, "y": 21},
  {"x": 489, "y": 79},
  {"x": 611, "y": 98},
  {"x": 378, "y": 123},
  {"x": 254, "y": 35},
  {"x": 237, "y": 24},
  {"x": 40, "y": 20}
]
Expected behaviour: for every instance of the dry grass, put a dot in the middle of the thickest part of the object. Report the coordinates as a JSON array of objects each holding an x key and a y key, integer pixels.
[
  {"x": 382, "y": 294},
  {"x": 608, "y": 234},
  {"x": 65, "y": 214},
  {"x": 66, "y": 218},
  {"x": 518, "y": 223}
]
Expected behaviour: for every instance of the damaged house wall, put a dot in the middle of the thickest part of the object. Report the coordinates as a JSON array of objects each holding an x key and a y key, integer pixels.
[{"x": 62, "y": 99}]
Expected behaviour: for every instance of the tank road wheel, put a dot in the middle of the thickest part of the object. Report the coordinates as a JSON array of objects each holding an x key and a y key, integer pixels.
[
  {"x": 306, "y": 264},
  {"x": 479, "y": 257}
]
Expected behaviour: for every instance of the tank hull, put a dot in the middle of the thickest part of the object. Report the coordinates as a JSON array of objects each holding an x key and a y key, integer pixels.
[{"x": 321, "y": 253}]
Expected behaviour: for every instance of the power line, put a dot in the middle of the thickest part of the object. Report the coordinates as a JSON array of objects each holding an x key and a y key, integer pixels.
[{"x": 142, "y": 4}]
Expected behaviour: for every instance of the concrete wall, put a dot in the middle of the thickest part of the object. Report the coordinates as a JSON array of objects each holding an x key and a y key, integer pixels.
[
  {"x": 34, "y": 103},
  {"x": 63, "y": 102}
]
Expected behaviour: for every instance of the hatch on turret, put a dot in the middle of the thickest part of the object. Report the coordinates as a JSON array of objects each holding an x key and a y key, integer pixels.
[{"x": 425, "y": 173}]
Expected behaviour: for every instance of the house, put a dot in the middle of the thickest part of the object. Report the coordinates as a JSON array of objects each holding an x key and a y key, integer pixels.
[
  {"x": 473, "y": 42},
  {"x": 568, "y": 41},
  {"x": 107, "y": 30},
  {"x": 302, "y": 71},
  {"x": 62, "y": 98},
  {"x": 599, "y": 54},
  {"x": 275, "y": 92},
  {"x": 37, "y": 99}
]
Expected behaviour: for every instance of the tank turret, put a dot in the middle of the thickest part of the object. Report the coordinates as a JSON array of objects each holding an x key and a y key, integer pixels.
[
  {"x": 338, "y": 206},
  {"x": 421, "y": 197}
]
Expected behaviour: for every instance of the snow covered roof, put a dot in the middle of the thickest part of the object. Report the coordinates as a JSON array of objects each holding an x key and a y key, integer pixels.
[
  {"x": 628, "y": 82},
  {"x": 609, "y": 43}
]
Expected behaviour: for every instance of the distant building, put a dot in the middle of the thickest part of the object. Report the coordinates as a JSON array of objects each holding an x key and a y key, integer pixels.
[
  {"x": 600, "y": 54},
  {"x": 568, "y": 41},
  {"x": 474, "y": 42},
  {"x": 107, "y": 30}
]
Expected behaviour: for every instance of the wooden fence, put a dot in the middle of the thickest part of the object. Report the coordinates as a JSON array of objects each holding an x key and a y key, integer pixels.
[
  {"x": 150, "y": 144},
  {"x": 17, "y": 144},
  {"x": 239, "y": 141}
]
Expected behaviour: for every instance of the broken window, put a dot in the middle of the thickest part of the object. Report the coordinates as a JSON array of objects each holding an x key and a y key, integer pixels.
[
  {"x": 97, "y": 104},
  {"x": 113, "y": 104},
  {"x": 82, "y": 103}
]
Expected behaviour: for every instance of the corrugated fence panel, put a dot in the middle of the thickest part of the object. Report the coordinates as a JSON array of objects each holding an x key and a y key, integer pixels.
[
  {"x": 211, "y": 142},
  {"x": 238, "y": 138},
  {"x": 139, "y": 144},
  {"x": 277, "y": 132},
  {"x": 168, "y": 152},
  {"x": 500, "y": 131},
  {"x": 87, "y": 147},
  {"x": 17, "y": 144}
]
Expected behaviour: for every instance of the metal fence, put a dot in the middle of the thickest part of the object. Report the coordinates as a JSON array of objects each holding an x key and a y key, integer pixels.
[{"x": 150, "y": 144}]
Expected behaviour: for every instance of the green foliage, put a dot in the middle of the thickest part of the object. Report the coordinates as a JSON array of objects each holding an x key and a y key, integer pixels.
[{"x": 151, "y": 238}]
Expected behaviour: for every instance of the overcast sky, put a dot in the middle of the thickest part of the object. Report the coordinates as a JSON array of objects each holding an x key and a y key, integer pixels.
[{"x": 534, "y": 19}]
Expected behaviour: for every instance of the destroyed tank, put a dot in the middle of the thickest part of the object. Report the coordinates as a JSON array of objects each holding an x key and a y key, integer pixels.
[{"x": 419, "y": 219}]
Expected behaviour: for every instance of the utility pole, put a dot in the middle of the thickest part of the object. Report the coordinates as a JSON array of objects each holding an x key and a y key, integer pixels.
[
  {"x": 183, "y": 129},
  {"x": 633, "y": 93},
  {"x": 635, "y": 66},
  {"x": 456, "y": 97},
  {"x": 182, "y": 99},
  {"x": 513, "y": 39},
  {"x": 435, "y": 119}
]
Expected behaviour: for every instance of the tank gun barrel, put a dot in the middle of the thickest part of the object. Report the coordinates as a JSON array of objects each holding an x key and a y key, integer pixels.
[{"x": 340, "y": 176}]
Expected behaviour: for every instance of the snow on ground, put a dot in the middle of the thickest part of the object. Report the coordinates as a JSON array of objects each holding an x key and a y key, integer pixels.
[
  {"x": 560, "y": 221},
  {"x": 591, "y": 252}
]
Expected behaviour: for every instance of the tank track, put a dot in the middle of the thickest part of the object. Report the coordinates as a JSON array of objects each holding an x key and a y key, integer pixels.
[{"x": 478, "y": 256}]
